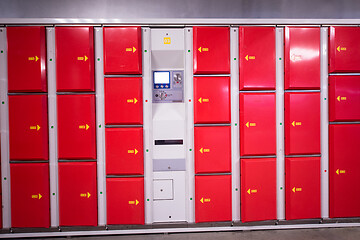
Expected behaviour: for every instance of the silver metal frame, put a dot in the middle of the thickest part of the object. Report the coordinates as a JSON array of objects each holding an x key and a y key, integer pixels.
[
  {"x": 100, "y": 125},
  {"x": 324, "y": 118},
  {"x": 235, "y": 134},
  {"x": 189, "y": 106},
  {"x": 280, "y": 153},
  {"x": 52, "y": 115},
  {"x": 4, "y": 130}
]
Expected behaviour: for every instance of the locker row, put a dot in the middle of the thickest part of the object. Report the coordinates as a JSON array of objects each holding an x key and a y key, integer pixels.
[{"x": 211, "y": 53}]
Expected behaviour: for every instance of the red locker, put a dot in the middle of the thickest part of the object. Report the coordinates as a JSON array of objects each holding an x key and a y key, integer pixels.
[
  {"x": 212, "y": 99},
  {"x": 28, "y": 127},
  {"x": 74, "y": 59},
  {"x": 125, "y": 208},
  {"x": 257, "y": 51},
  {"x": 77, "y": 194},
  {"x": 302, "y": 188},
  {"x": 122, "y": 50},
  {"x": 26, "y": 59},
  {"x": 30, "y": 202},
  {"x": 302, "y": 58},
  {"x": 302, "y": 123},
  {"x": 344, "y": 49},
  {"x": 257, "y": 124},
  {"x": 76, "y": 127},
  {"x": 344, "y": 170},
  {"x": 123, "y": 101},
  {"x": 124, "y": 151},
  {"x": 212, "y": 149},
  {"x": 211, "y": 50},
  {"x": 213, "y": 198},
  {"x": 258, "y": 189},
  {"x": 344, "y": 98}
]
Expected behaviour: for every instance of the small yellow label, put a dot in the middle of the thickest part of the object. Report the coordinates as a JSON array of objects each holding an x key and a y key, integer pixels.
[
  {"x": 132, "y": 100},
  {"x": 339, "y": 48},
  {"x": 204, "y": 100},
  {"x": 249, "y": 124},
  {"x": 167, "y": 40},
  {"x": 82, "y": 58},
  {"x": 131, "y": 151},
  {"x": 86, "y": 127},
  {"x": 338, "y": 171},
  {"x": 202, "y": 49},
  {"x": 250, "y": 191},
  {"x": 339, "y": 98},
  {"x": 247, "y": 57},
  {"x": 136, "y": 202},
  {"x": 295, "y": 189},
  {"x": 205, "y": 200},
  {"x": 204, "y": 150},
  {"x": 296, "y": 123},
  {"x": 36, "y": 196},
  {"x": 85, "y": 195},
  {"x": 33, "y": 58}
]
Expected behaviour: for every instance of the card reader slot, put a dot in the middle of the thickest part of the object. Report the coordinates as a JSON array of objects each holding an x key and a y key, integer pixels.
[{"x": 169, "y": 142}]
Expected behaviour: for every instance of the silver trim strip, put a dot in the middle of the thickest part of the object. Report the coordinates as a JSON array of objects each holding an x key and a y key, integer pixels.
[{"x": 305, "y": 91}]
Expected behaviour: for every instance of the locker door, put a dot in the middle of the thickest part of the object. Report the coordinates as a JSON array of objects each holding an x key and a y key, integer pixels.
[
  {"x": 211, "y": 50},
  {"x": 28, "y": 127},
  {"x": 30, "y": 202},
  {"x": 302, "y": 58},
  {"x": 257, "y": 51},
  {"x": 77, "y": 194},
  {"x": 74, "y": 59},
  {"x": 26, "y": 59}
]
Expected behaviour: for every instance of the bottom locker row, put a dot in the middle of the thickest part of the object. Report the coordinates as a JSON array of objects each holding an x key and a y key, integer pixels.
[{"x": 30, "y": 194}]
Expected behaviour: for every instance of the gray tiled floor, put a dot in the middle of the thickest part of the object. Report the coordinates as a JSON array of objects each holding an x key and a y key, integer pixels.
[{"x": 313, "y": 234}]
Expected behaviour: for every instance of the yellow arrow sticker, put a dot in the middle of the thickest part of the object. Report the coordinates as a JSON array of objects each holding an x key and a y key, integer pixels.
[
  {"x": 37, "y": 127},
  {"x": 167, "y": 40},
  {"x": 295, "y": 189},
  {"x": 135, "y": 151},
  {"x": 36, "y": 196},
  {"x": 133, "y": 49},
  {"x": 86, "y": 127},
  {"x": 132, "y": 100},
  {"x": 202, "y": 49},
  {"x": 85, "y": 195},
  {"x": 204, "y": 150},
  {"x": 296, "y": 123},
  {"x": 33, "y": 58},
  {"x": 247, "y": 57},
  {"x": 339, "y": 48},
  {"x": 249, "y": 124},
  {"x": 205, "y": 200},
  {"x": 82, "y": 58},
  {"x": 250, "y": 191},
  {"x": 204, "y": 100},
  {"x": 338, "y": 171},
  {"x": 339, "y": 98},
  {"x": 136, "y": 202}
]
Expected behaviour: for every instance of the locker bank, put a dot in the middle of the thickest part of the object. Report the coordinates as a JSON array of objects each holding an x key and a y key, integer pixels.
[{"x": 203, "y": 125}]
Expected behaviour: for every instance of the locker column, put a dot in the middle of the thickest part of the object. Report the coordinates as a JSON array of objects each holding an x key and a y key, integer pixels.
[
  {"x": 212, "y": 118},
  {"x": 344, "y": 125},
  {"x": 124, "y": 155}
]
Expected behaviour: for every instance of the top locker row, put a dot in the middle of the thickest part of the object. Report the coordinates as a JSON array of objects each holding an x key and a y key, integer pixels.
[{"x": 211, "y": 51}]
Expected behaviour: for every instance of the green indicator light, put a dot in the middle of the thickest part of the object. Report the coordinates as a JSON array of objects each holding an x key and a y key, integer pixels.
[
  {"x": 2, "y": 51},
  {"x": 4, "y": 178},
  {"x": 281, "y": 188},
  {"x": 191, "y": 198},
  {"x": 53, "y": 194},
  {"x": 147, "y": 200},
  {"x": 145, "y": 50},
  {"x": 279, "y": 58},
  {"x": 280, "y": 124},
  {"x": 50, "y": 59},
  {"x": 188, "y": 50},
  {"x": 98, "y": 59},
  {"x": 147, "y": 150},
  {"x": 235, "y": 124},
  {"x": 100, "y": 192},
  {"x": 236, "y": 189},
  {"x": 235, "y": 59},
  {"x": 324, "y": 98},
  {"x": 190, "y": 149},
  {"x": 52, "y": 126},
  {"x": 3, "y": 102},
  {"x": 100, "y": 126}
]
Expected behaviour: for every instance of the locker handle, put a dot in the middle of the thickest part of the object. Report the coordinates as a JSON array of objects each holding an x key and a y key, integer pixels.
[{"x": 169, "y": 142}]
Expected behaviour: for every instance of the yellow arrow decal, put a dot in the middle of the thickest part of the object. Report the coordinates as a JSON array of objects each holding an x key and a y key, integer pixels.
[
  {"x": 36, "y": 196},
  {"x": 135, "y": 151},
  {"x": 339, "y": 98},
  {"x": 130, "y": 49},
  {"x": 249, "y": 124},
  {"x": 204, "y": 100},
  {"x": 339, "y": 48},
  {"x": 86, "y": 127},
  {"x": 295, "y": 189},
  {"x": 136, "y": 202},
  {"x": 296, "y": 123},
  {"x": 204, "y": 150},
  {"x": 247, "y": 57},
  {"x": 33, "y": 58},
  {"x": 85, "y": 195},
  {"x": 250, "y": 191},
  {"x": 202, "y": 49},
  {"x": 132, "y": 100},
  {"x": 199, "y": 49},
  {"x": 82, "y": 58},
  {"x": 37, "y": 127},
  {"x": 338, "y": 171},
  {"x": 205, "y": 200}
]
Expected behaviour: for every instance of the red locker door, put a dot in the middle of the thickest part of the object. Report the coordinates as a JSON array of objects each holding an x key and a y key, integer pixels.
[
  {"x": 30, "y": 202},
  {"x": 257, "y": 124},
  {"x": 123, "y": 101},
  {"x": 213, "y": 198},
  {"x": 74, "y": 59},
  {"x": 211, "y": 50},
  {"x": 258, "y": 189},
  {"x": 124, "y": 151},
  {"x": 76, "y": 127},
  {"x": 302, "y": 123},
  {"x": 257, "y": 51},
  {"x": 302, "y": 58},
  {"x": 77, "y": 194},
  {"x": 125, "y": 208},
  {"x": 344, "y": 98},
  {"x": 28, "y": 125},
  {"x": 344, "y": 170},
  {"x": 212, "y": 99},
  {"x": 26, "y": 59},
  {"x": 344, "y": 49},
  {"x": 212, "y": 149},
  {"x": 302, "y": 188},
  {"x": 122, "y": 50}
]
